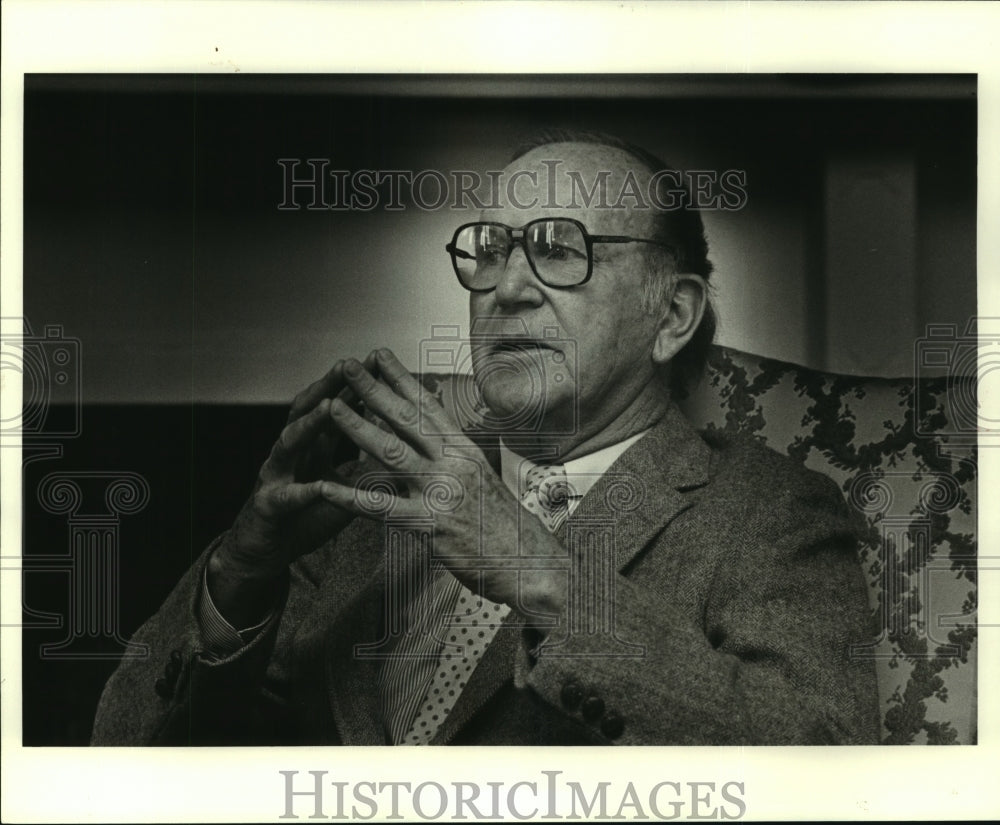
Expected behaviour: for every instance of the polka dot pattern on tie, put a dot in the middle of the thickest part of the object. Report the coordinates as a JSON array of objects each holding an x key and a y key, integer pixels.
[
  {"x": 476, "y": 620},
  {"x": 473, "y": 626}
]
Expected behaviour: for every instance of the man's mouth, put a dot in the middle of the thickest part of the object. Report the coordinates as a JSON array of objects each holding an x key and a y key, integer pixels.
[{"x": 520, "y": 345}]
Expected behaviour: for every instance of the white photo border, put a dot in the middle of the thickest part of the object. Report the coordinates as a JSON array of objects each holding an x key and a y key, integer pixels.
[{"x": 218, "y": 785}]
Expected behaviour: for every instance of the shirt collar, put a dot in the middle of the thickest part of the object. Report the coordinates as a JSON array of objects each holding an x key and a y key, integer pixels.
[{"x": 582, "y": 473}]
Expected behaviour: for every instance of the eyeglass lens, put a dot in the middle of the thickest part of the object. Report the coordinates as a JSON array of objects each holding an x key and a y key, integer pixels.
[{"x": 557, "y": 249}]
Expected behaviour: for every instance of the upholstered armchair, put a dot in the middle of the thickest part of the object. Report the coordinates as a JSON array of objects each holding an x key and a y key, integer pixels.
[{"x": 903, "y": 452}]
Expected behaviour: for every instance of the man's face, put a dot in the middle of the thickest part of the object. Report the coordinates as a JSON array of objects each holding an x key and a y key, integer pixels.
[{"x": 611, "y": 361}]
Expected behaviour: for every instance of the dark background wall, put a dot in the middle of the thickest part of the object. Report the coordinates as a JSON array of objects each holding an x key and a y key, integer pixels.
[
  {"x": 152, "y": 236},
  {"x": 152, "y": 231}
]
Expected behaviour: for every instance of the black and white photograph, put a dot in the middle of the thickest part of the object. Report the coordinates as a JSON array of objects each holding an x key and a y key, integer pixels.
[{"x": 365, "y": 411}]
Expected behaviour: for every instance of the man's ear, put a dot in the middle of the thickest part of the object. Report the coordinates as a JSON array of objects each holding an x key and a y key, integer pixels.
[{"x": 682, "y": 317}]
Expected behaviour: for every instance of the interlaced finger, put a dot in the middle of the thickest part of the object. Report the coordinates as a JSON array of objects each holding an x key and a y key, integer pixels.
[
  {"x": 355, "y": 501},
  {"x": 331, "y": 385},
  {"x": 296, "y": 436},
  {"x": 431, "y": 415},
  {"x": 284, "y": 499},
  {"x": 386, "y": 448},
  {"x": 398, "y": 412},
  {"x": 326, "y": 387}
]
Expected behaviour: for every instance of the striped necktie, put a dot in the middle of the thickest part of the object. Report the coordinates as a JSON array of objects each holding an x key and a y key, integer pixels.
[{"x": 474, "y": 620}]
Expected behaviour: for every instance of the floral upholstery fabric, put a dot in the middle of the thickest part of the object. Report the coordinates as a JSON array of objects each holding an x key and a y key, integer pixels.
[{"x": 904, "y": 453}]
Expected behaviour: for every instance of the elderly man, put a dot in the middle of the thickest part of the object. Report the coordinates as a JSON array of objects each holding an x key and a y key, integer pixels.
[{"x": 592, "y": 572}]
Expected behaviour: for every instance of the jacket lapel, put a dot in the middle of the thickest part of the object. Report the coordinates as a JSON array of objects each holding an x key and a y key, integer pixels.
[
  {"x": 640, "y": 493},
  {"x": 494, "y": 669},
  {"x": 643, "y": 490}
]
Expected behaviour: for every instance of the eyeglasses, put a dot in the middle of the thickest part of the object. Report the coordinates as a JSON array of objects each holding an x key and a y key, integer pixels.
[{"x": 560, "y": 251}]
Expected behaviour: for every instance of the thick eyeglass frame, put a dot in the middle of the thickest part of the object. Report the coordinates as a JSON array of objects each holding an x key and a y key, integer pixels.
[{"x": 517, "y": 236}]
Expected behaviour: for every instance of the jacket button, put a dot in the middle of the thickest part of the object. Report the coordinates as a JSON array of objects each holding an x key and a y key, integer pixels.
[
  {"x": 593, "y": 708},
  {"x": 571, "y": 696},
  {"x": 612, "y": 725},
  {"x": 163, "y": 689}
]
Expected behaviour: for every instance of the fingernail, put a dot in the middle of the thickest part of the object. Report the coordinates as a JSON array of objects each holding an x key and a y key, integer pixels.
[{"x": 352, "y": 367}]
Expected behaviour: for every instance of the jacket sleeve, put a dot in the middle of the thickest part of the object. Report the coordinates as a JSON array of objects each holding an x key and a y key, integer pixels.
[
  {"x": 764, "y": 659},
  {"x": 182, "y": 694}
]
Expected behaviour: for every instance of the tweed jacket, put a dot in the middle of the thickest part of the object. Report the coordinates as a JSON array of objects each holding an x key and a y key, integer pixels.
[{"x": 736, "y": 598}]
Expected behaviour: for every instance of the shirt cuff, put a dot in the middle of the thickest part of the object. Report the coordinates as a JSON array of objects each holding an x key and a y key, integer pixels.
[{"x": 220, "y": 637}]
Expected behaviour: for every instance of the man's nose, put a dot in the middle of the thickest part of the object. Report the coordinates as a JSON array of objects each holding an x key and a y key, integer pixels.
[{"x": 518, "y": 284}]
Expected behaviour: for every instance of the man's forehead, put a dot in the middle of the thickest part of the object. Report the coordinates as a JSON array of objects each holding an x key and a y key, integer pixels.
[
  {"x": 586, "y": 181},
  {"x": 568, "y": 161}
]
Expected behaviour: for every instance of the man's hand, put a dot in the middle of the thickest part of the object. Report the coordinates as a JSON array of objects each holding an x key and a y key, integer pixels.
[
  {"x": 481, "y": 533},
  {"x": 287, "y": 514}
]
